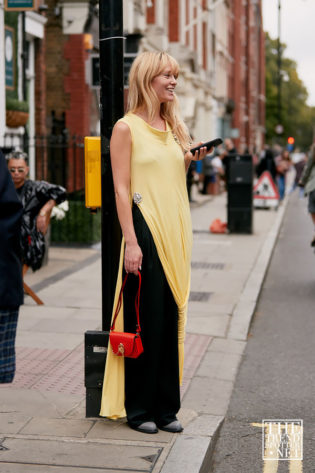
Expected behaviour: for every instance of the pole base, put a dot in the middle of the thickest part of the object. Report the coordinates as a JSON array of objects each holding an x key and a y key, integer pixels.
[{"x": 95, "y": 358}]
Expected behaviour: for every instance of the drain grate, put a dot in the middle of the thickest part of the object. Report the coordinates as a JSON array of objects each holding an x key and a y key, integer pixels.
[
  {"x": 199, "y": 296},
  {"x": 204, "y": 265}
]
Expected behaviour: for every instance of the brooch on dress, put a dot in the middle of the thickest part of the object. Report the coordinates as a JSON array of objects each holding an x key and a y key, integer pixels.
[
  {"x": 137, "y": 198},
  {"x": 175, "y": 138}
]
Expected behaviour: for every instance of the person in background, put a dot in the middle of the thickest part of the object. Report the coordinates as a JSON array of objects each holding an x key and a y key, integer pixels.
[
  {"x": 283, "y": 164},
  {"x": 150, "y": 156},
  {"x": 219, "y": 172},
  {"x": 190, "y": 179},
  {"x": 11, "y": 284},
  {"x": 38, "y": 199},
  {"x": 229, "y": 146},
  {"x": 208, "y": 172},
  {"x": 229, "y": 149},
  {"x": 299, "y": 167},
  {"x": 267, "y": 163},
  {"x": 308, "y": 182}
]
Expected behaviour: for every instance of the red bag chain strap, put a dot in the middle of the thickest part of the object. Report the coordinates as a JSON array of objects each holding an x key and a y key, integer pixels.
[{"x": 137, "y": 304}]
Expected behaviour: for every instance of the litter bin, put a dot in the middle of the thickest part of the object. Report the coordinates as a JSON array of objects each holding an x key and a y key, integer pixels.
[{"x": 240, "y": 172}]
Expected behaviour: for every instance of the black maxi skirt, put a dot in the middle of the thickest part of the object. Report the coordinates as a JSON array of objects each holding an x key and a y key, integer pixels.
[{"x": 152, "y": 391}]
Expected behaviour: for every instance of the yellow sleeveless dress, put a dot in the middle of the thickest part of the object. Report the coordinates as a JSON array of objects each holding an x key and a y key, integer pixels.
[{"x": 158, "y": 179}]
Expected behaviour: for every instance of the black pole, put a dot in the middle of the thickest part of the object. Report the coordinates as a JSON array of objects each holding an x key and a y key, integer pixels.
[
  {"x": 111, "y": 109},
  {"x": 111, "y": 49},
  {"x": 24, "y": 88}
]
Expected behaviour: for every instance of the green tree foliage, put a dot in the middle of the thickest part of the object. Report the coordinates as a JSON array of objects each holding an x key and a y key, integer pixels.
[{"x": 297, "y": 118}]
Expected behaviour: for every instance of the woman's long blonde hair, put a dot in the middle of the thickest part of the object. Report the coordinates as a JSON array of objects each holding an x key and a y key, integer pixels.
[{"x": 144, "y": 69}]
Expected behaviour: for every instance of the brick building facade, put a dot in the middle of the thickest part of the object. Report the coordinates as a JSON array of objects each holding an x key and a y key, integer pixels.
[{"x": 247, "y": 73}]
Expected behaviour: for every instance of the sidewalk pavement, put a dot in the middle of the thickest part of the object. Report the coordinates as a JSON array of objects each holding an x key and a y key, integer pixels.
[{"x": 43, "y": 427}]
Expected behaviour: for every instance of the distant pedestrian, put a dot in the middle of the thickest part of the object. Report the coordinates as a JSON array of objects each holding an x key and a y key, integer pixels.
[
  {"x": 38, "y": 199},
  {"x": 11, "y": 285},
  {"x": 229, "y": 146},
  {"x": 308, "y": 182},
  {"x": 229, "y": 150},
  {"x": 283, "y": 164},
  {"x": 208, "y": 172},
  {"x": 190, "y": 179},
  {"x": 299, "y": 167},
  {"x": 267, "y": 163}
]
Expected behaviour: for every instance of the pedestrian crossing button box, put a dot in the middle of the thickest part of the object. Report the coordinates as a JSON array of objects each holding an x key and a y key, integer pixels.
[{"x": 92, "y": 157}]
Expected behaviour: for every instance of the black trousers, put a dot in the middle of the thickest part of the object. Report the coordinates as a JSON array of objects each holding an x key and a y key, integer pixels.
[{"x": 152, "y": 380}]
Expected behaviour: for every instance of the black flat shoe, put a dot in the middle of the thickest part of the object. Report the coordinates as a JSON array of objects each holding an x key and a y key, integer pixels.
[
  {"x": 174, "y": 427},
  {"x": 146, "y": 428}
]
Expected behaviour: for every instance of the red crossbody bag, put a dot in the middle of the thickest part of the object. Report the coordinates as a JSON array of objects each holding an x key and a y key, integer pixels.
[{"x": 124, "y": 343}]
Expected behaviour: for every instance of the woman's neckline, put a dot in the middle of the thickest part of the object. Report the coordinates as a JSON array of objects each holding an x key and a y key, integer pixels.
[{"x": 153, "y": 128}]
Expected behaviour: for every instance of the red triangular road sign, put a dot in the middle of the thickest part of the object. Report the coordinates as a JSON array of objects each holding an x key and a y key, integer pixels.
[{"x": 265, "y": 191}]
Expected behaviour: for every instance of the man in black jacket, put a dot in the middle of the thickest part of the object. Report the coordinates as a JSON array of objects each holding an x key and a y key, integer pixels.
[
  {"x": 11, "y": 284},
  {"x": 38, "y": 199}
]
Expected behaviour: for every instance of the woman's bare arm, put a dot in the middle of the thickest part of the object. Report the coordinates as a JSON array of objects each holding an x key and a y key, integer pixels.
[{"x": 120, "y": 150}]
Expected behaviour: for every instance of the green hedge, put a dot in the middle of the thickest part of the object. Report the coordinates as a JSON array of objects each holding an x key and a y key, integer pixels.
[
  {"x": 78, "y": 226},
  {"x": 14, "y": 104}
]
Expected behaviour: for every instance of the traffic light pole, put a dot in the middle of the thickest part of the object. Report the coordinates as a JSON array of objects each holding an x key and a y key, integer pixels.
[{"x": 111, "y": 109}]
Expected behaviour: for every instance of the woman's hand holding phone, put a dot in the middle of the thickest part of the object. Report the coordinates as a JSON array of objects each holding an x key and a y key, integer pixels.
[{"x": 202, "y": 149}]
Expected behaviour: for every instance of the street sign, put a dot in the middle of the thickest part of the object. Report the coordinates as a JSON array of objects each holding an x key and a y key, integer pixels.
[
  {"x": 279, "y": 129},
  {"x": 9, "y": 58},
  {"x": 266, "y": 194},
  {"x": 20, "y": 5}
]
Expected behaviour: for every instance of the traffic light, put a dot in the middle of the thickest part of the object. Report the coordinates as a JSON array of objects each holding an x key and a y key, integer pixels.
[{"x": 290, "y": 144}]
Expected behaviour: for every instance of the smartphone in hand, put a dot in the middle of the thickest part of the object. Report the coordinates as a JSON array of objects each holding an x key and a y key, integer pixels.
[{"x": 208, "y": 144}]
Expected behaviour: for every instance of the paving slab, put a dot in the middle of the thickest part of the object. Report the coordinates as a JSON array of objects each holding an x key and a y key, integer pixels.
[
  {"x": 226, "y": 345},
  {"x": 204, "y": 426},
  {"x": 219, "y": 365},
  {"x": 27, "y": 338},
  {"x": 84, "y": 454},
  {"x": 12, "y": 422},
  {"x": 214, "y": 325},
  {"x": 34, "y": 403},
  {"x": 57, "y": 427},
  {"x": 119, "y": 430},
  {"x": 208, "y": 395}
]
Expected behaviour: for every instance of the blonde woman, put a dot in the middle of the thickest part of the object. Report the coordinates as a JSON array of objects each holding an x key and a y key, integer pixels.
[{"x": 149, "y": 155}]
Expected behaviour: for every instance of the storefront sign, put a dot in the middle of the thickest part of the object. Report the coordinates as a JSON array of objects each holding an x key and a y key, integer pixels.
[
  {"x": 20, "y": 5},
  {"x": 9, "y": 58}
]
